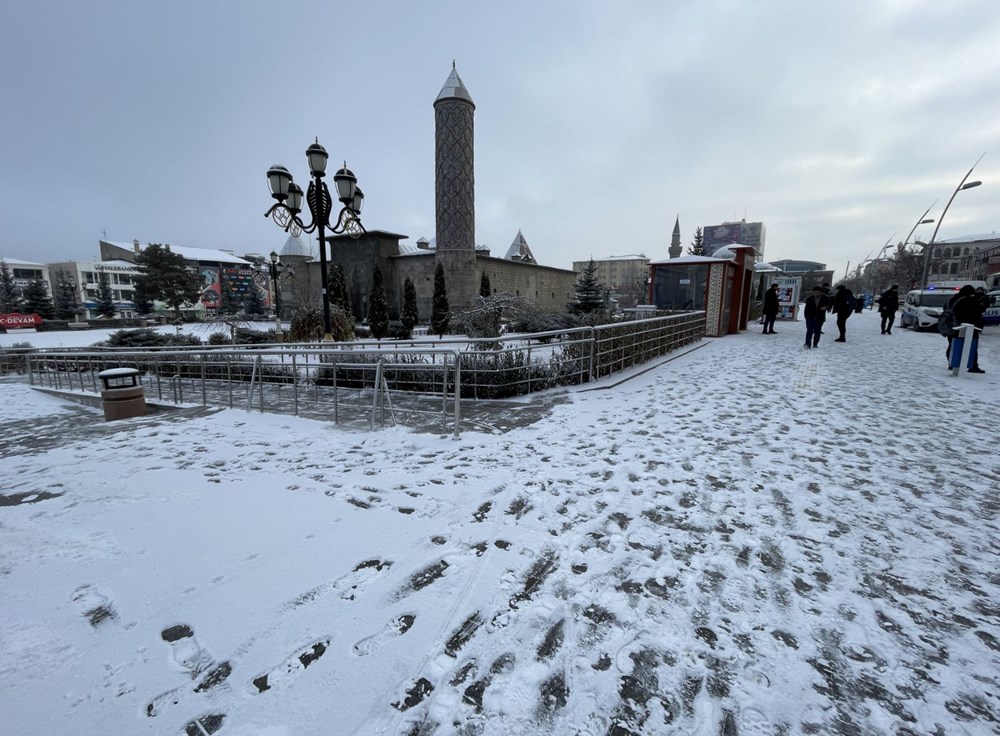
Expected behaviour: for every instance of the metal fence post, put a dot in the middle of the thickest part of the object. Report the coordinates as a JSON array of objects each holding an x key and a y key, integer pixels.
[
  {"x": 458, "y": 391},
  {"x": 295, "y": 385}
]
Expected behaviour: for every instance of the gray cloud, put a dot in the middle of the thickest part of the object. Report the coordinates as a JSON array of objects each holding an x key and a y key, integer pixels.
[{"x": 836, "y": 124}]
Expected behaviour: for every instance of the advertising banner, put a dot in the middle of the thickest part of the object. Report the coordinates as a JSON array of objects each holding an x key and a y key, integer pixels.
[
  {"x": 788, "y": 296},
  {"x": 716, "y": 236}
]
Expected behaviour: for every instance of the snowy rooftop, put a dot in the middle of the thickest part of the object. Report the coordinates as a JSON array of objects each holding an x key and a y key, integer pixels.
[
  {"x": 407, "y": 248},
  {"x": 16, "y": 262},
  {"x": 192, "y": 254},
  {"x": 809, "y": 549},
  {"x": 968, "y": 238}
]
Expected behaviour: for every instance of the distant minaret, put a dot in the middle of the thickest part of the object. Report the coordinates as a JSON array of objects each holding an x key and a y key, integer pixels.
[
  {"x": 675, "y": 240},
  {"x": 454, "y": 190}
]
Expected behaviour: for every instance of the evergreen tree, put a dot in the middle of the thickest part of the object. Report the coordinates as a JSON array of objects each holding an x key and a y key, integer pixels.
[
  {"x": 36, "y": 300},
  {"x": 378, "y": 310},
  {"x": 8, "y": 292},
  {"x": 337, "y": 284},
  {"x": 64, "y": 297},
  {"x": 143, "y": 306},
  {"x": 484, "y": 286},
  {"x": 697, "y": 245},
  {"x": 253, "y": 302},
  {"x": 166, "y": 278},
  {"x": 409, "y": 316},
  {"x": 230, "y": 299},
  {"x": 307, "y": 324},
  {"x": 105, "y": 299},
  {"x": 589, "y": 294},
  {"x": 440, "y": 312}
]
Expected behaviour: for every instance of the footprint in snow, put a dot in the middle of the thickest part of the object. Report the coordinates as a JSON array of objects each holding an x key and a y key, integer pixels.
[{"x": 392, "y": 630}]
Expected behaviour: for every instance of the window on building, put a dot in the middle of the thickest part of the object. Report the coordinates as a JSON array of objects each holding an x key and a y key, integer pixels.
[{"x": 680, "y": 288}]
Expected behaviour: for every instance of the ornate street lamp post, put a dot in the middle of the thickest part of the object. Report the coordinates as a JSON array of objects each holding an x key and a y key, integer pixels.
[
  {"x": 962, "y": 185},
  {"x": 275, "y": 270},
  {"x": 68, "y": 294},
  {"x": 288, "y": 197}
]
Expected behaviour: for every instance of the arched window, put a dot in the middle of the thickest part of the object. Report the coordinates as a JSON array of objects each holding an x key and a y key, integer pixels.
[
  {"x": 965, "y": 252},
  {"x": 937, "y": 252},
  {"x": 947, "y": 252}
]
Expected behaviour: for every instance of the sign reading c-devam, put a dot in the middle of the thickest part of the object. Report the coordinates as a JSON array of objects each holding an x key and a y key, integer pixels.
[{"x": 16, "y": 320}]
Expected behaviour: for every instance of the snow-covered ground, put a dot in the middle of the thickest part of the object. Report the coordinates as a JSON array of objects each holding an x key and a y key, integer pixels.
[
  {"x": 751, "y": 538},
  {"x": 85, "y": 338}
]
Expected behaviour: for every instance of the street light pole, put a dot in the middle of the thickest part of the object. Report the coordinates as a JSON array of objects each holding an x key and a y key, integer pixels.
[
  {"x": 288, "y": 197},
  {"x": 927, "y": 249},
  {"x": 275, "y": 269}
]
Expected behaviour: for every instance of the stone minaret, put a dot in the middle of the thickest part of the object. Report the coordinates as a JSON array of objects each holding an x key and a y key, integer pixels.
[
  {"x": 454, "y": 190},
  {"x": 675, "y": 240}
]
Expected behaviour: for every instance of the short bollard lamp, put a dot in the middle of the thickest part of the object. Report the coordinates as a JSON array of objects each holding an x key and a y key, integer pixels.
[
  {"x": 288, "y": 198},
  {"x": 122, "y": 397}
]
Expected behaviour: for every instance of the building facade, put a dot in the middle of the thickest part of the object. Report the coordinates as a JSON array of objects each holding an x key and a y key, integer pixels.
[
  {"x": 963, "y": 258},
  {"x": 742, "y": 232},
  {"x": 85, "y": 280},
  {"x": 24, "y": 272}
]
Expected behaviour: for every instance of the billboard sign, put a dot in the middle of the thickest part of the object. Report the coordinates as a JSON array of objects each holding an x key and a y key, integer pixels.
[{"x": 716, "y": 236}]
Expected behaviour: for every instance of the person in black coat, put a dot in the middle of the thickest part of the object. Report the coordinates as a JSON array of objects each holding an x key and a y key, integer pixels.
[
  {"x": 968, "y": 310},
  {"x": 888, "y": 304},
  {"x": 814, "y": 312},
  {"x": 771, "y": 309},
  {"x": 827, "y": 304},
  {"x": 843, "y": 305}
]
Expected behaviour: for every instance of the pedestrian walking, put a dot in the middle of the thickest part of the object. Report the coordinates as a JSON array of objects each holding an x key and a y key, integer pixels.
[
  {"x": 771, "y": 309},
  {"x": 968, "y": 310},
  {"x": 843, "y": 306},
  {"x": 888, "y": 304},
  {"x": 815, "y": 312}
]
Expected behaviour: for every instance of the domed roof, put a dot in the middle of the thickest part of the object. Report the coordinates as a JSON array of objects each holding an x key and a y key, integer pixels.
[{"x": 295, "y": 246}]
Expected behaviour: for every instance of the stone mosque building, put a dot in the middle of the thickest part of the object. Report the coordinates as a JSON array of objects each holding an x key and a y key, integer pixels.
[{"x": 454, "y": 246}]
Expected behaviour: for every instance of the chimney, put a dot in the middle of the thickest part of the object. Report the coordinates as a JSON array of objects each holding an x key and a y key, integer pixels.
[
  {"x": 135, "y": 246},
  {"x": 423, "y": 244}
]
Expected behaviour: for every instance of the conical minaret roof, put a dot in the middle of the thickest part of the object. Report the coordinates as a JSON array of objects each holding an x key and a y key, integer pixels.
[
  {"x": 519, "y": 250},
  {"x": 295, "y": 246},
  {"x": 454, "y": 89}
]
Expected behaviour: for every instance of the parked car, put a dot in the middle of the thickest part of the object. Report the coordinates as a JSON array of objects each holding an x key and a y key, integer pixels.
[
  {"x": 922, "y": 307},
  {"x": 992, "y": 314}
]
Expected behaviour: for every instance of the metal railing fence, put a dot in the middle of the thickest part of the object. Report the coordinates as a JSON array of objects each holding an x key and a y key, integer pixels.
[{"x": 419, "y": 383}]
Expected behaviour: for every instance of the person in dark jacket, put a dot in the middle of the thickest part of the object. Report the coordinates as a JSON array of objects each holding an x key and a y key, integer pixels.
[
  {"x": 814, "y": 312},
  {"x": 843, "y": 305},
  {"x": 771, "y": 309},
  {"x": 888, "y": 304},
  {"x": 968, "y": 310}
]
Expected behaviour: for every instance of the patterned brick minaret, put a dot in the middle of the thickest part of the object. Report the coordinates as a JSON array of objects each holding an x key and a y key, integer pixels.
[{"x": 455, "y": 191}]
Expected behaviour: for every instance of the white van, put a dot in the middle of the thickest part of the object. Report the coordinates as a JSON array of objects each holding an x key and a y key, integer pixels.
[{"x": 922, "y": 307}]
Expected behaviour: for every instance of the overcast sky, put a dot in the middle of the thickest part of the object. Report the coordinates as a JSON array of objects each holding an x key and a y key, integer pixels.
[{"x": 835, "y": 123}]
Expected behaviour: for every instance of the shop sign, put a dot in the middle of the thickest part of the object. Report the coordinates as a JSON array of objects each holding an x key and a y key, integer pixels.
[{"x": 16, "y": 320}]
